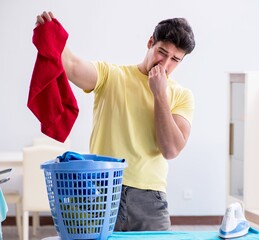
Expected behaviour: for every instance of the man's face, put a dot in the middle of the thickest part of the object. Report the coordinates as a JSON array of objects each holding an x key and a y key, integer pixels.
[{"x": 165, "y": 54}]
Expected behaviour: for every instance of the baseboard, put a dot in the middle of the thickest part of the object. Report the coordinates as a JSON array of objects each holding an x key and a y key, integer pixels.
[
  {"x": 44, "y": 221},
  {"x": 175, "y": 220},
  {"x": 252, "y": 217},
  {"x": 196, "y": 220}
]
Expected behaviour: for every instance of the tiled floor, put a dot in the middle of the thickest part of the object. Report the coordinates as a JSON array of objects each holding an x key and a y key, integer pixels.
[{"x": 10, "y": 232}]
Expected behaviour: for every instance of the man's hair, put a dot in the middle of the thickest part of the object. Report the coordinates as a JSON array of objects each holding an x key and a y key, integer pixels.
[{"x": 176, "y": 31}]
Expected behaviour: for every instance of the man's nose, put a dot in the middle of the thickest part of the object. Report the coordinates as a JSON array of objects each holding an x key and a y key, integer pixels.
[{"x": 164, "y": 64}]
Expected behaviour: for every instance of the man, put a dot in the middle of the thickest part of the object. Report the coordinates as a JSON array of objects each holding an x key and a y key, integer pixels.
[{"x": 141, "y": 115}]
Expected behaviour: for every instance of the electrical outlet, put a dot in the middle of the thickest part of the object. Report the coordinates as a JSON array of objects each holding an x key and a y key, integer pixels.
[{"x": 187, "y": 194}]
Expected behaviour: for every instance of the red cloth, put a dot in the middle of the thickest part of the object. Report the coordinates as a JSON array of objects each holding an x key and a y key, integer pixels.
[{"x": 50, "y": 96}]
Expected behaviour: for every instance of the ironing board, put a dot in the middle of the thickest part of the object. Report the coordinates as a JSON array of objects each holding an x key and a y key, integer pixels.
[{"x": 170, "y": 235}]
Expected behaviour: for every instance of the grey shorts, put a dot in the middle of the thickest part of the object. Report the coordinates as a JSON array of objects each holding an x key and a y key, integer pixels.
[{"x": 142, "y": 210}]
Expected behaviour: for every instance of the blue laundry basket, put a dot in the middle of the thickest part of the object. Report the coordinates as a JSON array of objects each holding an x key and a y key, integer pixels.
[{"x": 84, "y": 195}]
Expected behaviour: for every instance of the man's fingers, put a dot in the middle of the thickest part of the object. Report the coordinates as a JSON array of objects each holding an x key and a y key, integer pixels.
[
  {"x": 45, "y": 16},
  {"x": 40, "y": 20},
  {"x": 51, "y": 15},
  {"x": 159, "y": 69}
]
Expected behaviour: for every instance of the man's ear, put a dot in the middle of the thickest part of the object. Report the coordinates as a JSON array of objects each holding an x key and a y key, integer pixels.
[{"x": 150, "y": 42}]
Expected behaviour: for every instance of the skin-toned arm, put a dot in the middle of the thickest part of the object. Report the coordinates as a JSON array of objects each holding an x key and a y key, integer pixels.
[
  {"x": 82, "y": 73},
  {"x": 172, "y": 131}
]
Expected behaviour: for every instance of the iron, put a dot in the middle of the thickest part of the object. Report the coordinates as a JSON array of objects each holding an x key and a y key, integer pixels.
[{"x": 234, "y": 223}]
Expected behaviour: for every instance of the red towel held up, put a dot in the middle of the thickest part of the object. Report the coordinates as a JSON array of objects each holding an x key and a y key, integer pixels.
[{"x": 50, "y": 96}]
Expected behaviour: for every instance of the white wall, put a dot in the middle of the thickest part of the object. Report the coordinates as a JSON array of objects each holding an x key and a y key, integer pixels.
[{"x": 117, "y": 31}]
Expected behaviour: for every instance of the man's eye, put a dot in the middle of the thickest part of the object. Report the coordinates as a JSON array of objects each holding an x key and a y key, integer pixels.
[
  {"x": 162, "y": 53},
  {"x": 175, "y": 60}
]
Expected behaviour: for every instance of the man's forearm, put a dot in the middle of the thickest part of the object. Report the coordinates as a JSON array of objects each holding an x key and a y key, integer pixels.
[{"x": 170, "y": 139}]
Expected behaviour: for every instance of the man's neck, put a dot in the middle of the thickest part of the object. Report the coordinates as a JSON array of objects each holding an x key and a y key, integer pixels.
[{"x": 142, "y": 68}]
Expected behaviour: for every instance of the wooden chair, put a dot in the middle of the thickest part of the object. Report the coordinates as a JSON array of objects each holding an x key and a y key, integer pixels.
[
  {"x": 16, "y": 199},
  {"x": 35, "y": 198},
  {"x": 47, "y": 141}
]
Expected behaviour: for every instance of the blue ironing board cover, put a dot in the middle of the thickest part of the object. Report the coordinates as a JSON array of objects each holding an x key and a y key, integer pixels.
[{"x": 179, "y": 235}]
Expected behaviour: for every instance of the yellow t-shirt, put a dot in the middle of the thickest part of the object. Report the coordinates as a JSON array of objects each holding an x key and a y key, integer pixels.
[{"x": 123, "y": 122}]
